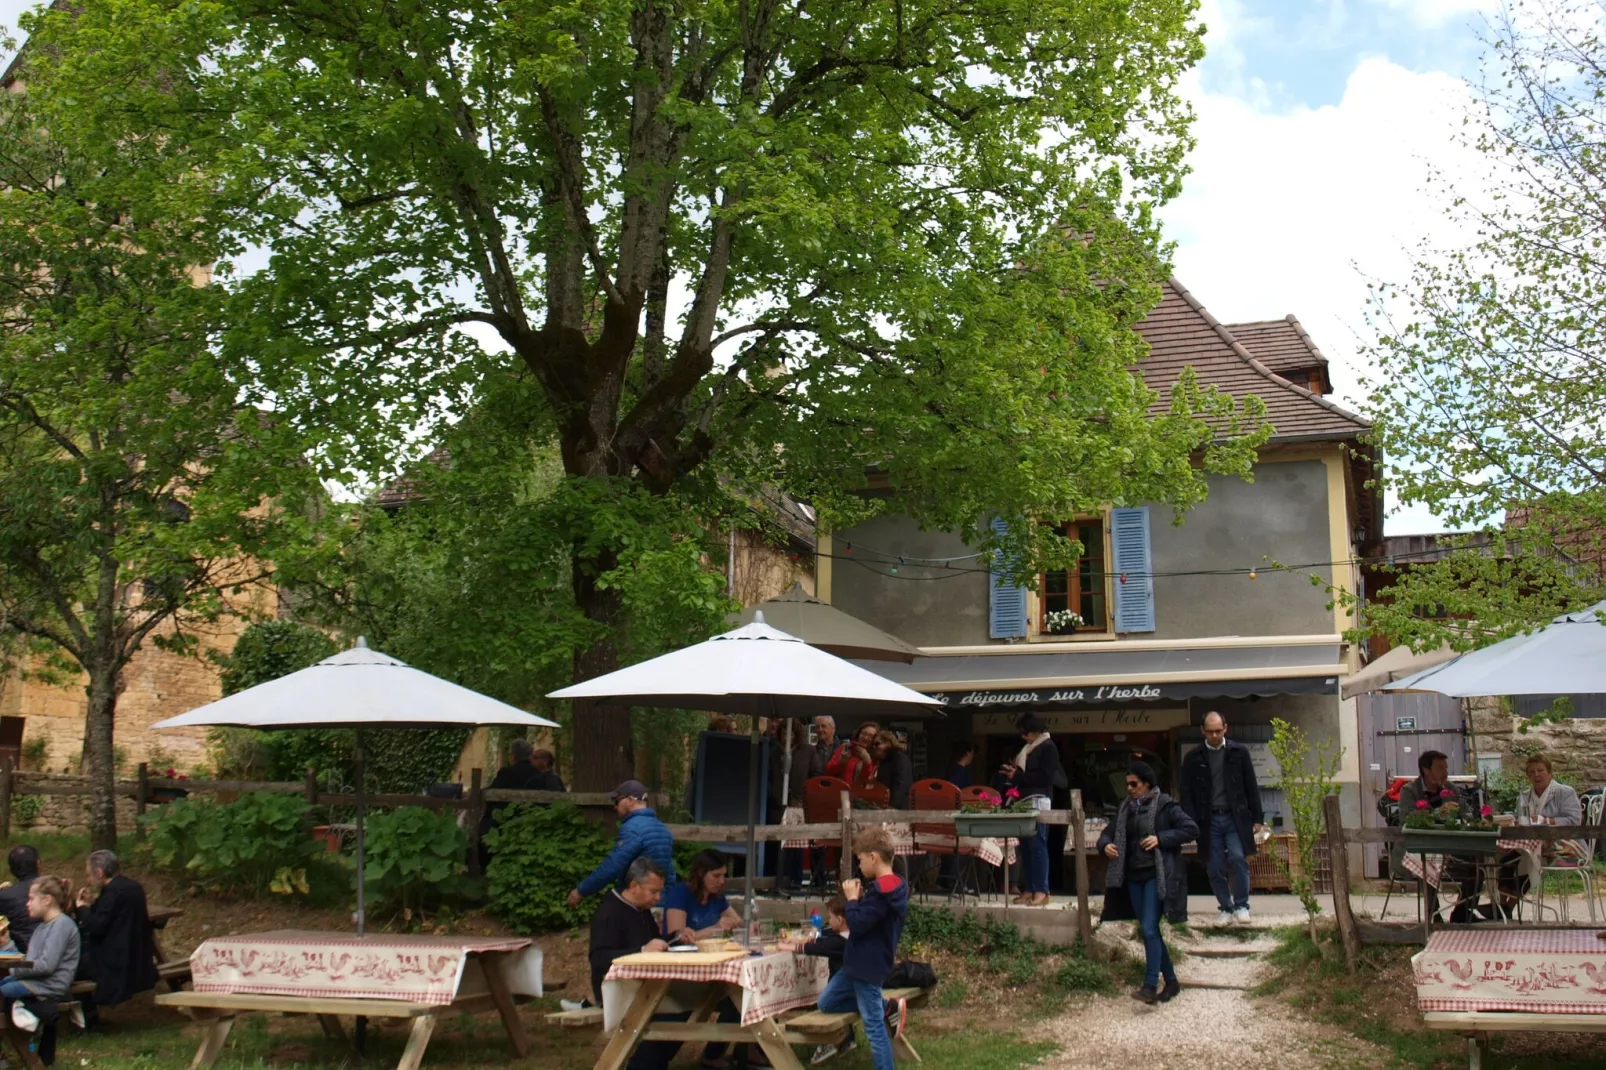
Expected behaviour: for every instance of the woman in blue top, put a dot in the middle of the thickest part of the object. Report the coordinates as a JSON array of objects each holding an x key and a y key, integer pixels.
[{"x": 696, "y": 908}]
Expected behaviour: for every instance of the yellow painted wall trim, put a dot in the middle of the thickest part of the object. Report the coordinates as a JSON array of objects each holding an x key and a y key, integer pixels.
[
  {"x": 1215, "y": 642},
  {"x": 1094, "y": 680},
  {"x": 1338, "y": 526},
  {"x": 822, "y": 566}
]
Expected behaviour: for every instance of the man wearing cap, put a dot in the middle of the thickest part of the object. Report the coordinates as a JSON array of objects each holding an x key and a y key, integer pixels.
[{"x": 641, "y": 835}]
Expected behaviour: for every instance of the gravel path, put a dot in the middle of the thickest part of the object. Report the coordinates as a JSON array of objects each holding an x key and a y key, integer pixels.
[{"x": 1201, "y": 1027}]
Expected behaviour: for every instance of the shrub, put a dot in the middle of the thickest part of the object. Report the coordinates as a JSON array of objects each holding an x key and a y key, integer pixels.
[
  {"x": 1078, "y": 973},
  {"x": 256, "y": 844},
  {"x": 539, "y": 853},
  {"x": 415, "y": 859}
]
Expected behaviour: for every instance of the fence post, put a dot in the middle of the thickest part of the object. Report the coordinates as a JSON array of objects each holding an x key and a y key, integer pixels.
[
  {"x": 1084, "y": 917},
  {"x": 846, "y": 861},
  {"x": 476, "y": 807},
  {"x": 310, "y": 786},
  {"x": 142, "y": 795},
  {"x": 1338, "y": 853},
  {"x": 5, "y": 797}
]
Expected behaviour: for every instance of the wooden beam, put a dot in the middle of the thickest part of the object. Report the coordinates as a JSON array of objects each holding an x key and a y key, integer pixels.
[
  {"x": 1340, "y": 858},
  {"x": 1084, "y": 916}
]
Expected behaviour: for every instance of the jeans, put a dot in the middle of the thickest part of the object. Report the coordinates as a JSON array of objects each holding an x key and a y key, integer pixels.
[
  {"x": 1145, "y": 897},
  {"x": 14, "y": 990},
  {"x": 1034, "y": 853},
  {"x": 1227, "y": 856},
  {"x": 844, "y": 994}
]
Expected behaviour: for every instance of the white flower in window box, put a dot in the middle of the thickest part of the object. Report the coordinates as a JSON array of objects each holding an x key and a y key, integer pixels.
[{"x": 1063, "y": 621}]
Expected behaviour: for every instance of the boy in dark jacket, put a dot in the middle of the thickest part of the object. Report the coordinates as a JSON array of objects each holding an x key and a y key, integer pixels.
[
  {"x": 831, "y": 944},
  {"x": 875, "y": 911}
]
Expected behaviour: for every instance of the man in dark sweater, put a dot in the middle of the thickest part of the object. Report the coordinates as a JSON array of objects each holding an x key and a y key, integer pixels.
[
  {"x": 876, "y": 909},
  {"x": 624, "y": 925},
  {"x": 119, "y": 953},
  {"x": 23, "y": 862}
]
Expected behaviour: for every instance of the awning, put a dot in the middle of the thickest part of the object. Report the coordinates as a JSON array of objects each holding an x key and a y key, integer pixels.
[
  {"x": 1397, "y": 664},
  {"x": 1105, "y": 676}
]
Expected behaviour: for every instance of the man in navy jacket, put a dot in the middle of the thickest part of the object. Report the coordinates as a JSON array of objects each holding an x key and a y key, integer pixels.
[
  {"x": 641, "y": 835},
  {"x": 876, "y": 909},
  {"x": 1220, "y": 794}
]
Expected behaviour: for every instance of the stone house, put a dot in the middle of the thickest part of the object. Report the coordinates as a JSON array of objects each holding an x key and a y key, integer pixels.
[{"x": 1180, "y": 619}]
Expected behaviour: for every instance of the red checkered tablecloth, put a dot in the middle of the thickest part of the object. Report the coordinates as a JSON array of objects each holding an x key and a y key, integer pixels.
[
  {"x": 1548, "y": 971},
  {"x": 423, "y": 969},
  {"x": 771, "y": 984},
  {"x": 904, "y": 841},
  {"x": 1430, "y": 867}
]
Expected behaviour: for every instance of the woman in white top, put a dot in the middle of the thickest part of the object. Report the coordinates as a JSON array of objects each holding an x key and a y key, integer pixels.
[{"x": 1547, "y": 801}]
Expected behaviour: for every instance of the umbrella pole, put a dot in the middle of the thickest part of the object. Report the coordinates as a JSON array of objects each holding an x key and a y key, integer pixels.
[
  {"x": 749, "y": 904},
  {"x": 360, "y": 1034}
]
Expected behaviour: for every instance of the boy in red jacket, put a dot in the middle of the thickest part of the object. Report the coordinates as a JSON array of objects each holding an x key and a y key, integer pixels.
[{"x": 876, "y": 909}]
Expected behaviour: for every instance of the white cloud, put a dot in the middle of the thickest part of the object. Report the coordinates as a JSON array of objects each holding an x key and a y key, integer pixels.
[
  {"x": 1292, "y": 211},
  {"x": 1433, "y": 14}
]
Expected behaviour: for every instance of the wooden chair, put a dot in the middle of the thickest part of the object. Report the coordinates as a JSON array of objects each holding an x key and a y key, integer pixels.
[
  {"x": 981, "y": 795},
  {"x": 935, "y": 838},
  {"x": 822, "y": 805}
]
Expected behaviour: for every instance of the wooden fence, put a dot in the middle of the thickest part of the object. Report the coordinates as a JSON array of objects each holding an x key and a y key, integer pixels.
[
  {"x": 1354, "y": 931},
  {"x": 840, "y": 832}
]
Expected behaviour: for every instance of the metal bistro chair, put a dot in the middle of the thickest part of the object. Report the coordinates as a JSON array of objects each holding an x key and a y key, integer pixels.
[{"x": 1583, "y": 868}]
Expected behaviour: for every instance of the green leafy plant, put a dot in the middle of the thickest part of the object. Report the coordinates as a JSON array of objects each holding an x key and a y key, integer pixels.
[
  {"x": 416, "y": 860},
  {"x": 35, "y": 752},
  {"x": 1079, "y": 973},
  {"x": 242, "y": 847},
  {"x": 27, "y": 808},
  {"x": 1460, "y": 818},
  {"x": 538, "y": 855},
  {"x": 1307, "y": 778}
]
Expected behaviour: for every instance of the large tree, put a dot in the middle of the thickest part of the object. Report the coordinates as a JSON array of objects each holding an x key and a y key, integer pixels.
[
  {"x": 141, "y": 498},
  {"x": 783, "y": 239},
  {"x": 1491, "y": 397}
]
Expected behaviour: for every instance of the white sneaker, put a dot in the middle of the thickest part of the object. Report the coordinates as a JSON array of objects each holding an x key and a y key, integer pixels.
[
  {"x": 822, "y": 1053},
  {"x": 1241, "y": 915},
  {"x": 23, "y": 1018},
  {"x": 1224, "y": 918},
  {"x": 572, "y": 1005},
  {"x": 78, "y": 1018}
]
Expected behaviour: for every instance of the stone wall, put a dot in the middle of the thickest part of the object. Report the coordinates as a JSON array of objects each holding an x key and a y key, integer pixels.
[
  {"x": 60, "y": 813},
  {"x": 1576, "y": 746}
]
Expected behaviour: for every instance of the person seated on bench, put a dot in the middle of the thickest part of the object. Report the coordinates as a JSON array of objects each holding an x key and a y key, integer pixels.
[
  {"x": 23, "y": 861},
  {"x": 53, "y": 950},
  {"x": 119, "y": 952},
  {"x": 1432, "y": 790},
  {"x": 830, "y": 945}
]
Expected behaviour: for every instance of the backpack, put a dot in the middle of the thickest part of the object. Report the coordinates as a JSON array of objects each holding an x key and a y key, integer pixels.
[{"x": 910, "y": 974}]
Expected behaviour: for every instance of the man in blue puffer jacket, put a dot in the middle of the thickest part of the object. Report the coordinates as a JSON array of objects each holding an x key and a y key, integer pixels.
[{"x": 641, "y": 834}]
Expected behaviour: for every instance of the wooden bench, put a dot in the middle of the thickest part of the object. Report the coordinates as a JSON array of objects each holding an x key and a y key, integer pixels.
[
  {"x": 826, "y": 1028},
  {"x": 1476, "y": 1025},
  {"x": 19, "y": 1040}
]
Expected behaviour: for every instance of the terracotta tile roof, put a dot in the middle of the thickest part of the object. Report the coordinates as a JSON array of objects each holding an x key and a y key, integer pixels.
[
  {"x": 1286, "y": 348},
  {"x": 1181, "y": 333}
]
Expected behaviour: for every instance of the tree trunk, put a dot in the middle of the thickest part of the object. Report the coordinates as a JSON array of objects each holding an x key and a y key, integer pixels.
[
  {"x": 98, "y": 762},
  {"x": 603, "y": 753}
]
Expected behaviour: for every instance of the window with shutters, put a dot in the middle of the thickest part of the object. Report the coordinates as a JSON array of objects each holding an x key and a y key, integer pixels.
[{"x": 1082, "y": 589}]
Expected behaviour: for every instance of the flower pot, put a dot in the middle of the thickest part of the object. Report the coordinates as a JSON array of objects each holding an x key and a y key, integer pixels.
[
  {"x": 1449, "y": 841},
  {"x": 996, "y": 825}
]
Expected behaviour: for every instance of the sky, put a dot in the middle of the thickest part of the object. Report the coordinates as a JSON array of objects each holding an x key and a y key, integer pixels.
[{"x": 1318, "y": 123}]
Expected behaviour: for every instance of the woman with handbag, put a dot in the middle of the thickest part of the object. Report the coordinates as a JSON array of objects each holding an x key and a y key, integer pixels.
[{"x": 1035, "y": 773}]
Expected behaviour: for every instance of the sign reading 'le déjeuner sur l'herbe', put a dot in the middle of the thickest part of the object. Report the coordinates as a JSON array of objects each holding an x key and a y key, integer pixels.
[{"x": 1108, "y": 693}]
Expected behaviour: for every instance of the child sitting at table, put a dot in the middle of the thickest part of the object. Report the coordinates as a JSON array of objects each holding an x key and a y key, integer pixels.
[
  {"x": 875, "y": 911},
  {"x": 830, "y": 944}
]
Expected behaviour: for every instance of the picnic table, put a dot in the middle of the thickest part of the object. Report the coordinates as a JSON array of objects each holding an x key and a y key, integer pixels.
[
  {"x": 330, "y": 975},
  {"x": 763, "y": 986}
]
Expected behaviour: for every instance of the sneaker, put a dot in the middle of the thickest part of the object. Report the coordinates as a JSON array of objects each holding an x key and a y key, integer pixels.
[
  {"x": 822, "y": 1053},
  {"x": 1169, "y": 992},
  {"x": 1224, "y": 918},
  {"x": 897, "y": 1016},
  {"x": 23, "y": 1018},
  {"x": 572, "y": 1005},
  {"x": 78, "y": 1018},
  {"x": 1241, "y": 915},
  {"x": 1146, "y": 994}
]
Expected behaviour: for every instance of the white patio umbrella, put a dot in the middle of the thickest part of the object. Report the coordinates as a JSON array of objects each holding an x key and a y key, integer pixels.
[
  {"x": 759, "y": 671},
  {"x": 1565, "y": 657},
  {"x": 357, "y": 688}
]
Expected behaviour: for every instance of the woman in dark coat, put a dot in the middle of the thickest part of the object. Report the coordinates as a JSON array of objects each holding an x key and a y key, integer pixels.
[
  {"x": 1035, "y": 773},
  {"x": 1143, "y": 843}
]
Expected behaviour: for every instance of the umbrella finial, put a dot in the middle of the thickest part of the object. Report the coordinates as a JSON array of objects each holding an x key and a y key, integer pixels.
[
  {"x": 362, "y": 642},
  {"x": 758, "y": 616}
]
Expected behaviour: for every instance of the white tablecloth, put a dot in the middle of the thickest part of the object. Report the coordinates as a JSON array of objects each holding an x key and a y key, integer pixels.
[{"x": 1556, "y": 971}]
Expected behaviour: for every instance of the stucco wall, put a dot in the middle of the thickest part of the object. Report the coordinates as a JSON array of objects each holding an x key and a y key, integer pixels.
[{"x": 1282, "y": 516}]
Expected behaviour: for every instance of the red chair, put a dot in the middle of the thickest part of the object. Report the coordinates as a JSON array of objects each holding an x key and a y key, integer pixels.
[
  {"x": 967, "y": 875},
  {"x": 876, "y": 794},
  {"x": 933, "y": 794},
  {"x": 822, "y": 805},
  {"x": 981, "y": 795}
]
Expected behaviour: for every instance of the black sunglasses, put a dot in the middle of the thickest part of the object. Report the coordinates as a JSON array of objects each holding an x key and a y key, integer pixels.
[{"x": 1133, "y": 783}]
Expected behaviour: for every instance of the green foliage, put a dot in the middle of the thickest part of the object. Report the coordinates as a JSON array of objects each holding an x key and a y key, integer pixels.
[
  {"x": 879, "y": 173},
  {"x": 538, "y": 855},
  {"x": 269, "y": 649},
  {"x": 1489, "y": 394},
  {"x": 36, "y": 751},
  {"x": 1079, "y": 973},
  {"x": 1002, "y": 945},
  {"x": 27, "y": 808},
  {"x": 1307, "y": 777},
  {"x": 242, "y": 847},
  {"x": 416, "y": 860}
]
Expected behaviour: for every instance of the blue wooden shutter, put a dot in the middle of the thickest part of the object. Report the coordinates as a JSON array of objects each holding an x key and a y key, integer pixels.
[
  {"x": 1006, "y": 603},
  {"x": 1134, "y": 584}
]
